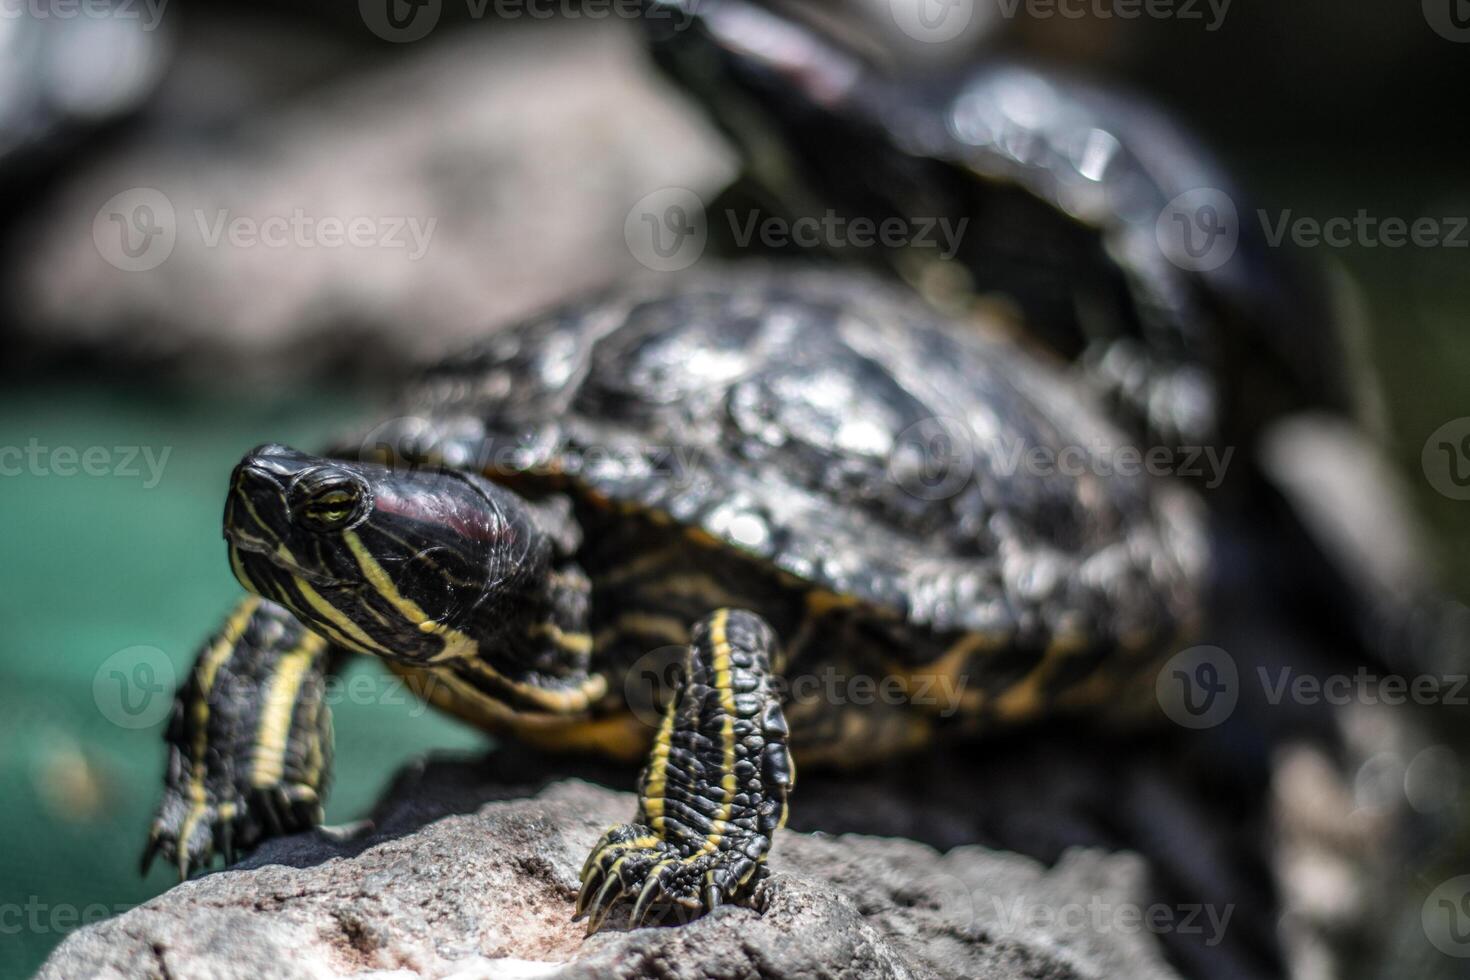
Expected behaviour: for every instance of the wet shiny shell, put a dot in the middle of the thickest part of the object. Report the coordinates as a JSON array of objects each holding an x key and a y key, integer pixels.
[{"x": 842, "y": 433}]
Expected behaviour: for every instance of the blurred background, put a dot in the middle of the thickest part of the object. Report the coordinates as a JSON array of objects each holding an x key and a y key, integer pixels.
[{"x": 173, "y": 291}]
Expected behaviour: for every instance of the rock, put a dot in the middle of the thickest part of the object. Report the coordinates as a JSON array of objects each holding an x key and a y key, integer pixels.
[
  {"x": 489, "y": 174},
  {"x": 489, "y": 894}
]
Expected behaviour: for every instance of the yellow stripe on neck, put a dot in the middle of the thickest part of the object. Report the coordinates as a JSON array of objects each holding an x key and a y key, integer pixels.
[{"x": 456, "y": 644}]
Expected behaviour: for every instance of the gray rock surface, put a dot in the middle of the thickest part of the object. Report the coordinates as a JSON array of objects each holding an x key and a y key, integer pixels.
[
  {"x": 489, "y": 894},
  {"x": 491, "y": 172}
]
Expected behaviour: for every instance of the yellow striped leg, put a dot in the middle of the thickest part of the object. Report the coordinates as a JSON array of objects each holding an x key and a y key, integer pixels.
[
  {"x": 714, "y": 791},
  {"x": 250, "y": 740}
]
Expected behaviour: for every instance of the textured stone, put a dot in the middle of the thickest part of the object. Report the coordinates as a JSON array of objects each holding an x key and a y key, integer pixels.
[{"x": 489, "y": 894}]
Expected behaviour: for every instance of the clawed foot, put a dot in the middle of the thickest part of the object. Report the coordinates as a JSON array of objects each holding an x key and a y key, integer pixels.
[
  {"x": 664, "y": 883},
  {"x": 192, "y": 828}
]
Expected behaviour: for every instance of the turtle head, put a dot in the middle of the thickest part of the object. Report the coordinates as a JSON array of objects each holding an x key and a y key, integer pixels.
[{"x": 414, "y": 565}]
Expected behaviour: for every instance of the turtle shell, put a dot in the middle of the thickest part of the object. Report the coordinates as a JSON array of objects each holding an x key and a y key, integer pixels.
[{"x": 838, "y": 431}]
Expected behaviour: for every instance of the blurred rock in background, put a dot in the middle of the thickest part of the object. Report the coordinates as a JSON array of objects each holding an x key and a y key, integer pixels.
[{"x": 370, "y": 222}]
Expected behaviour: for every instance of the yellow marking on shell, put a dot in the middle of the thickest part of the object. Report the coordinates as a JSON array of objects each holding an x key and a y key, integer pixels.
[
  {"x": 456, "y": 644},
  {"x": 695, "y": 586},
  {"x": 579, "y": 643},
  {"x": 1136, "y": 641},
  {"x": 206, "y": 671},
  {"x": 950, "y": 665},
  {"x": 638, "y": 567},
  {"x": 1025, "y": 699},
  {"x": 703, "y": 538},
  {"x": 268, "y": 754},
  {"x": 820, "y": 602},
  {"x": 667, "y": 628}
]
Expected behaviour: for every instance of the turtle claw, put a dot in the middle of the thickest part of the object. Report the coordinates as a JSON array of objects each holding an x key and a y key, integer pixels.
[
  {"x": 632, "y": 862},
  {"x": 184, "y": 834},
  {"x": 190, "y": 832}
]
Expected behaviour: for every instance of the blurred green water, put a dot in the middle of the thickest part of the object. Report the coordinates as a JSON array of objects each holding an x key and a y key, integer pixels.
[{"x": 93, "y": 565}]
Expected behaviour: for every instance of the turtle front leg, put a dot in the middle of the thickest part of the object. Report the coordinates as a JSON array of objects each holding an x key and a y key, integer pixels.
[
  {"x": 250, "y": 740},
  {"x": 714, "y": 791}
]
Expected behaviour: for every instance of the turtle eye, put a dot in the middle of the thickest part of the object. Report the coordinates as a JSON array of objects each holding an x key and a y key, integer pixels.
[{"x": 330, "y": 508}]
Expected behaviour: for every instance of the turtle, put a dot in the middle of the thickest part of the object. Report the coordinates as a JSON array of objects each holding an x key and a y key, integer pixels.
[
  {"x": 1107, "y": 231},
  {"x": 1109, "y": 238},
  {"x": 749, "y": 482}
]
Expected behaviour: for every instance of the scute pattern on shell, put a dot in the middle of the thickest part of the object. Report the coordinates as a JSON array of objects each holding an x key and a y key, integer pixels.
[{"x": 845, "y": 433}]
